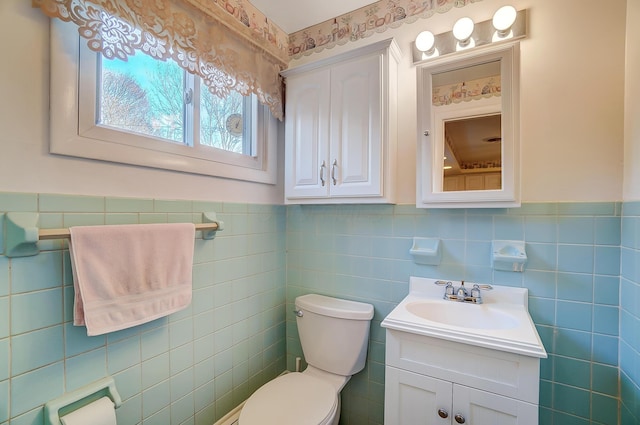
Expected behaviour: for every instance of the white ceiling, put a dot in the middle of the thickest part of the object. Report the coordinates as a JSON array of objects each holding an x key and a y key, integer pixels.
[{"x": 295, "y": 15}]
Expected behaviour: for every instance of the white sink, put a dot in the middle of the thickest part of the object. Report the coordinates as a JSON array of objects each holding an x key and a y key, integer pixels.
[
  {"x": 501, "y": 322},
  {"x": 475, "y": 316}
]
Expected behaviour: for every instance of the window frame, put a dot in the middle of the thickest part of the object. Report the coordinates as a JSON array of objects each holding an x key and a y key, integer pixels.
[{"x": 73, "y": 131}]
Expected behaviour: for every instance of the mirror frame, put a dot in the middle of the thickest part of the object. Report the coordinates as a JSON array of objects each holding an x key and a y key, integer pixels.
[{"x": 429, "y": 185}]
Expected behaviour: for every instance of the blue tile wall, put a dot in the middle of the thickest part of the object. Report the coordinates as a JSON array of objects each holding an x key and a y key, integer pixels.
[
  {"x": 191, "y": 367},
  {"x": 630, "y": 314},
  {"x": 197, "y": 364},
  {"x": 573, "y": 275}
]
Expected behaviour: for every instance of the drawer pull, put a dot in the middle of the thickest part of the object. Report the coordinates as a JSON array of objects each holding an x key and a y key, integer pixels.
[
  {"x": 459, "y": 418},
  {"x": 443, "y": 413}
]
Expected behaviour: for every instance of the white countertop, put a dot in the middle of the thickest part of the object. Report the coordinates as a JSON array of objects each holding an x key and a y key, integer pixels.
[{"x": 513, "y": 330}]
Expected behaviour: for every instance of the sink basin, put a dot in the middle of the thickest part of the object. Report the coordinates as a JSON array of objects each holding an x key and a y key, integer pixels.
[
  {"x": 501, "y": 322},
  {"x": 463, "y": 315}
]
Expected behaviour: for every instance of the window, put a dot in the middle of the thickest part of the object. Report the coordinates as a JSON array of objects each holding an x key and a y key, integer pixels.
[{"x": 152, "y": 113}]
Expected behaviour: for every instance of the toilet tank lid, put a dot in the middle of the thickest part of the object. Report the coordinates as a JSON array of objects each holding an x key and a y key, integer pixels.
[{"x": 335, "y": 307}]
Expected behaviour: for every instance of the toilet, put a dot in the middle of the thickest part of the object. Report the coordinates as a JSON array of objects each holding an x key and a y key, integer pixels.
[{"x": 334, "y": 335}]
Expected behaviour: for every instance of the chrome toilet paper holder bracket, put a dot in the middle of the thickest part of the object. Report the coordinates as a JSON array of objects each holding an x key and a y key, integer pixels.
[{"x": 74, "y": 400}]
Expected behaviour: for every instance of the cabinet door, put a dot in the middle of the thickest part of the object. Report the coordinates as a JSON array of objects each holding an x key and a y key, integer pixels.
[
  {"x": 412, "y": 399},
  {"x": 493, "y": 181},
  {"x": 453, "y": 183},
  {"x": 480, "y": 407},
  {"x": 307, "y": 135},
  {"x": 357, "y": 130},
  {"x": 474, "y": 182}
]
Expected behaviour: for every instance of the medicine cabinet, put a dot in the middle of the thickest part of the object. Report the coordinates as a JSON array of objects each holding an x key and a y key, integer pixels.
[
  {"x": 340, "y": 127},
  {"x": 468, "y": 130}
]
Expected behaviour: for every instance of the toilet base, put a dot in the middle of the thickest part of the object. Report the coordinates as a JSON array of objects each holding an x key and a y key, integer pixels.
[{"x": 336, "y": 418}]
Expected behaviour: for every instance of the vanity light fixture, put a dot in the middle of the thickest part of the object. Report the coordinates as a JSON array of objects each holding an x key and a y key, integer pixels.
[
  {"x": 502, "y": 21},
  {"x": 507, "y": 24},
  {"x": 462, "y": 31},
  {"x": 426, "y": 43}
]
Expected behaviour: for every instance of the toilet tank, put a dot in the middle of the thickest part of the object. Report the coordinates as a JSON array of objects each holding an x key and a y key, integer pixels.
[{"x": 334, "y": 333}]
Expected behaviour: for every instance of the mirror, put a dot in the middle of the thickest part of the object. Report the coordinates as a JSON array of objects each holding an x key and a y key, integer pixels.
[
  {"x": 472, "y": 153},
  {"x": 468, "y": 130}
]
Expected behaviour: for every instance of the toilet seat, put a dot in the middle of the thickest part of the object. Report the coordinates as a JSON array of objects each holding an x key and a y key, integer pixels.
[{"x": 291, "y": 399}]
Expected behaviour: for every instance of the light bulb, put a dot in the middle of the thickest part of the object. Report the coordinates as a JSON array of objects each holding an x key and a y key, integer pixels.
[
  {"x": 425, "y": 41},
  {"x": 462, "y": 30},
  {"x": 504, "y": 18}
]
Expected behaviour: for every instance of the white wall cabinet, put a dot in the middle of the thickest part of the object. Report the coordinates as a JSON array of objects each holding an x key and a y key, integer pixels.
[
  {"x": 436, "y": 382},
  {"x": 340, "y": 127}
]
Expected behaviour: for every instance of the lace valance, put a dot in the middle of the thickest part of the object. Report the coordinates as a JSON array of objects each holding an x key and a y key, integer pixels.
[{"x": 222, "y": 43}]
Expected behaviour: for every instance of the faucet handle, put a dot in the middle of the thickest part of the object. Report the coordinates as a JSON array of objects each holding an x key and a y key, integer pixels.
[
  {"x": 448, "y": 290},
  {"x": 475, "y": 291}
]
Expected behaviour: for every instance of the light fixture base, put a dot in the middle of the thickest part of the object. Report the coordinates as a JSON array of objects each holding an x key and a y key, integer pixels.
[{"x": 483, "y": 34}]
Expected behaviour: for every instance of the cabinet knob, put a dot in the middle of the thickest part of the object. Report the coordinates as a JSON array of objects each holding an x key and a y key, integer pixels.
[
  {"x": 443, "y": 413},
  {"x": 426, "y": 132},
  {"x": 459, "y": 418}
]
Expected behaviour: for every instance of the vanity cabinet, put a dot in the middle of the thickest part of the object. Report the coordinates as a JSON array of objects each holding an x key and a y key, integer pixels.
[
  {"x": 340, "y": 127},
  {"x": 434, "y": 381}
]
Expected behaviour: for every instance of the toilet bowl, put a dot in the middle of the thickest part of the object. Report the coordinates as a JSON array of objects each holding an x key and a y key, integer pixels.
[
  {"x": 293, "y": 398},
  {"x": 334, "y": 335}
]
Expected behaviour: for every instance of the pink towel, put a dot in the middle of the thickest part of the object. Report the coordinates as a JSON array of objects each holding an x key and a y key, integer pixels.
[{"x": 126, "y": 275}]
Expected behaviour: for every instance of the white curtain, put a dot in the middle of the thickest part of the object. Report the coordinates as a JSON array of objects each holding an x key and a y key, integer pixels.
[{"x": 226, "y": 45}]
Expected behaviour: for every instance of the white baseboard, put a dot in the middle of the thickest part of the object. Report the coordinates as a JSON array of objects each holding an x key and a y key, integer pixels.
[{"x": 231, "y": 418}]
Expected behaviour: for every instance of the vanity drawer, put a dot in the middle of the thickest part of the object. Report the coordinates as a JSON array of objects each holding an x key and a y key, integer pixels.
[{"x": 496, "y": 371}]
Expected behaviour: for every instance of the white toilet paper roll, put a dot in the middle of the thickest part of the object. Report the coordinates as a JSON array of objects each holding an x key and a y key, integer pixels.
[{"x": 100, "y": 412}]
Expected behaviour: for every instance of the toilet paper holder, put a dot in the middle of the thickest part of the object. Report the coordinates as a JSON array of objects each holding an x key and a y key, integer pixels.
[{"x": 74, "y": 400}]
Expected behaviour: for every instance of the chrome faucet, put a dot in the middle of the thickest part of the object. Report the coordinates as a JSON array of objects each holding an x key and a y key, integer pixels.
[{"x": 461, "y": 294}]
